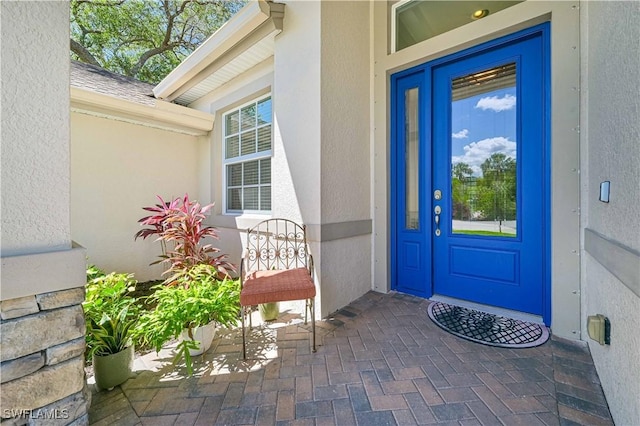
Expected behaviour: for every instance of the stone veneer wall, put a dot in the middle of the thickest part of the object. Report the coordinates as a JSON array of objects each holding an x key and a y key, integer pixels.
[{"x": 42, "y": 359}]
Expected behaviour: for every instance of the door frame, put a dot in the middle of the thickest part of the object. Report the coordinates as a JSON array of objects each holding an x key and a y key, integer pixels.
[{"x": 544, "y": 31}]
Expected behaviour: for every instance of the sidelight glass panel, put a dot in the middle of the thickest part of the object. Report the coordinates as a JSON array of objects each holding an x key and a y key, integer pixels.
[
  {"x": 483, "y": 153},
  {"x": 412, "y": 150}
]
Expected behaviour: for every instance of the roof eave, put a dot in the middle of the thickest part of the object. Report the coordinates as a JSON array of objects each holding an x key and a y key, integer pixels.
[
  {"x": 256, "y": 15},
  {"x": 161, "y": 115}
]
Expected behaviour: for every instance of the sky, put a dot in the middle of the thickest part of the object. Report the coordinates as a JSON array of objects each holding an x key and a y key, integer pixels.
[{"x": 483, "y": 125}]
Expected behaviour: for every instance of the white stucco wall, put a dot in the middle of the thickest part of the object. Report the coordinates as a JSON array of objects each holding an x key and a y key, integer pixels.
[
  {"x": 611, "y": 152},
  {"x": 35, "y": 127},
  {"x": 613, "y": 106},
  {"x": 116, "y": 169},
  {"x": 345, "y": 83},
  {"x": 618, "y": 364},
  {"x": 345, "y": 149},
  {"x": 296, "y": 171},
  {"x": 36, "y": 246}
]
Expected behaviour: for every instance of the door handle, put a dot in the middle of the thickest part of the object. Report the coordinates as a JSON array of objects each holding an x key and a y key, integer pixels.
[{"x": 437, "y": 210}]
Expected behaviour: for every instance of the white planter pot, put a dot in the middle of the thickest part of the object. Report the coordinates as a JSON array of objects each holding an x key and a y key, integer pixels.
[{"x": 204, "y": 335}]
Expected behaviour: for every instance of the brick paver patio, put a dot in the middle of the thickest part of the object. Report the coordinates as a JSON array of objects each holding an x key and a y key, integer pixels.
[{"x": 381, "y": 361}]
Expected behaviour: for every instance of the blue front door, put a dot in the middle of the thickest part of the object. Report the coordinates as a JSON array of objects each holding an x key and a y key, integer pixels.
[{"x": 470, "y": 177}]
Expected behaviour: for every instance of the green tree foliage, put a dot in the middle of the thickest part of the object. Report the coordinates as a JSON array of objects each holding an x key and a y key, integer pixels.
[
  {"x": 492, "y": 196},
  {"x": 144, "y": 39},
  {"x": 499, "y": 182},
  {"x": 461, "y": 171},
  {"x": 462, "y": 184}
]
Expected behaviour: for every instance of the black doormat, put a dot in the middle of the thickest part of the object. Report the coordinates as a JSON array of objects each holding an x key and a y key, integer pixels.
[{"x": 485, "y": 328}]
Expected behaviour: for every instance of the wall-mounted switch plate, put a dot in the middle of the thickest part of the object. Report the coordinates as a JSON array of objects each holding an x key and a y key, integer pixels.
[{"x": 604, "y": 191}]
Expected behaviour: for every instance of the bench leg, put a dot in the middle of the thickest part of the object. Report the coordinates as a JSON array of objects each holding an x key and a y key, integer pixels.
[
  {"x": 244, "y": 343},
  {"x": 313, "y": 322}
]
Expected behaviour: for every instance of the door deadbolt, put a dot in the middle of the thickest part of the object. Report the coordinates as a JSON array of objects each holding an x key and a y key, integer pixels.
[{"x": 437, "y": 194}]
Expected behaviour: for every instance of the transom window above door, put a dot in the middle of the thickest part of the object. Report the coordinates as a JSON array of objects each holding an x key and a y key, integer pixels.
[
  {"x": 247, "y": 157},
  {"x": 413, "y": 21}
]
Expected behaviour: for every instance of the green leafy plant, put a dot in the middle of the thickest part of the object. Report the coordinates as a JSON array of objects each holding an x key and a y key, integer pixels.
[
  {"x": 196, "y": 298},
  {"x": 94, "y": 272},
  {"x": 199, "y": 289},
  {"x": 108, "y": 307},
  {"x": 109, "y": 294},
  {"x": 179, "y": 226},
  {"x": 112, "y": 334}
]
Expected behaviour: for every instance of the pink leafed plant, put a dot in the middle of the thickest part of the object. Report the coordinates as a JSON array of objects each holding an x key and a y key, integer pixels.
[{"x": 178, "y": 225}]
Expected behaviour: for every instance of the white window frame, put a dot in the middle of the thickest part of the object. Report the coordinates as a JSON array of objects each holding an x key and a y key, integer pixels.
[
  {"x": 394, "y": 22},
  {"x": 244, "y": 158}
]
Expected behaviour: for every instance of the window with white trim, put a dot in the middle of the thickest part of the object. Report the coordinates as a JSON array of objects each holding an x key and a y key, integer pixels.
[{"x": 247, "y": 157}]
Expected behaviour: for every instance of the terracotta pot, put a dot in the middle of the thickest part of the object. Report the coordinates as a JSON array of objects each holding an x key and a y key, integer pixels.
[
  {"x": 204, "y": 335},
  {"x": 113, "y": 370}
]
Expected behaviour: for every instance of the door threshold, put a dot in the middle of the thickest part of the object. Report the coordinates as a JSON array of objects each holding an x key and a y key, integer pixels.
[{"x": 522, "y": 316}]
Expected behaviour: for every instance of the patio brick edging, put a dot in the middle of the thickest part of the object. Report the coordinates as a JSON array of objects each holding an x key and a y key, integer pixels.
[{"x": 42, "y": 359}]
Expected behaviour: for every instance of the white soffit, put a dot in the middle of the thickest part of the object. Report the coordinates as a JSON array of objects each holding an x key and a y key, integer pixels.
[
  {"x": 247, "y": 60},
  {"x": 243, "y": 42}
]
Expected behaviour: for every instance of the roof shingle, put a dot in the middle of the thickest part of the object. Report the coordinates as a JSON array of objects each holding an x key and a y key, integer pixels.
[{"x": 96, "y": 79}]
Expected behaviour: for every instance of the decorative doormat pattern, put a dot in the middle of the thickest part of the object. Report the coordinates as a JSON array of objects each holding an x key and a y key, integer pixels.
[{"x": 485, "y": 328}]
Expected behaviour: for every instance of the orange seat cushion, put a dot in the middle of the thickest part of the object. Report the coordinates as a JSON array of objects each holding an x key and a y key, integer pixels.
[{"x": 277, "y": 286}]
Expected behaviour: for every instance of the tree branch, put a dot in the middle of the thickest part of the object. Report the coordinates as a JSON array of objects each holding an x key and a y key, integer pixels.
[
  {"x": 166, "y": 42},
  {"x": 146, "y": 56},
  {"x": 83, "y": 54}
]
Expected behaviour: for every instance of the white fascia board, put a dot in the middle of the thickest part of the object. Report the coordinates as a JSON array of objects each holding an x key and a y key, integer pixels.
[
  {"x": 162, "y": 115},
  {"x": 243, "y": 23}
]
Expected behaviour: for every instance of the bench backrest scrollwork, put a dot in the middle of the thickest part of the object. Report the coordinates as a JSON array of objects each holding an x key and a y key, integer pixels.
[{"x": 276, "y": 244}]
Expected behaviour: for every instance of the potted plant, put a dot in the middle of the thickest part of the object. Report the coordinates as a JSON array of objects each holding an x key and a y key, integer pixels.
[
  {"x": 112, "y": 351},
  {"x": 198, "y": 290},
  {"x": 110, "y": 314},
  {"x": 190, "y": 299}
]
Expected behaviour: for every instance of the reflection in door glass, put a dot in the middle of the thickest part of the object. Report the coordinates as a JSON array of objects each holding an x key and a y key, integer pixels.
[
  {"x": 411, "y": 159},
  {"x": 483, "y": 152}
]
